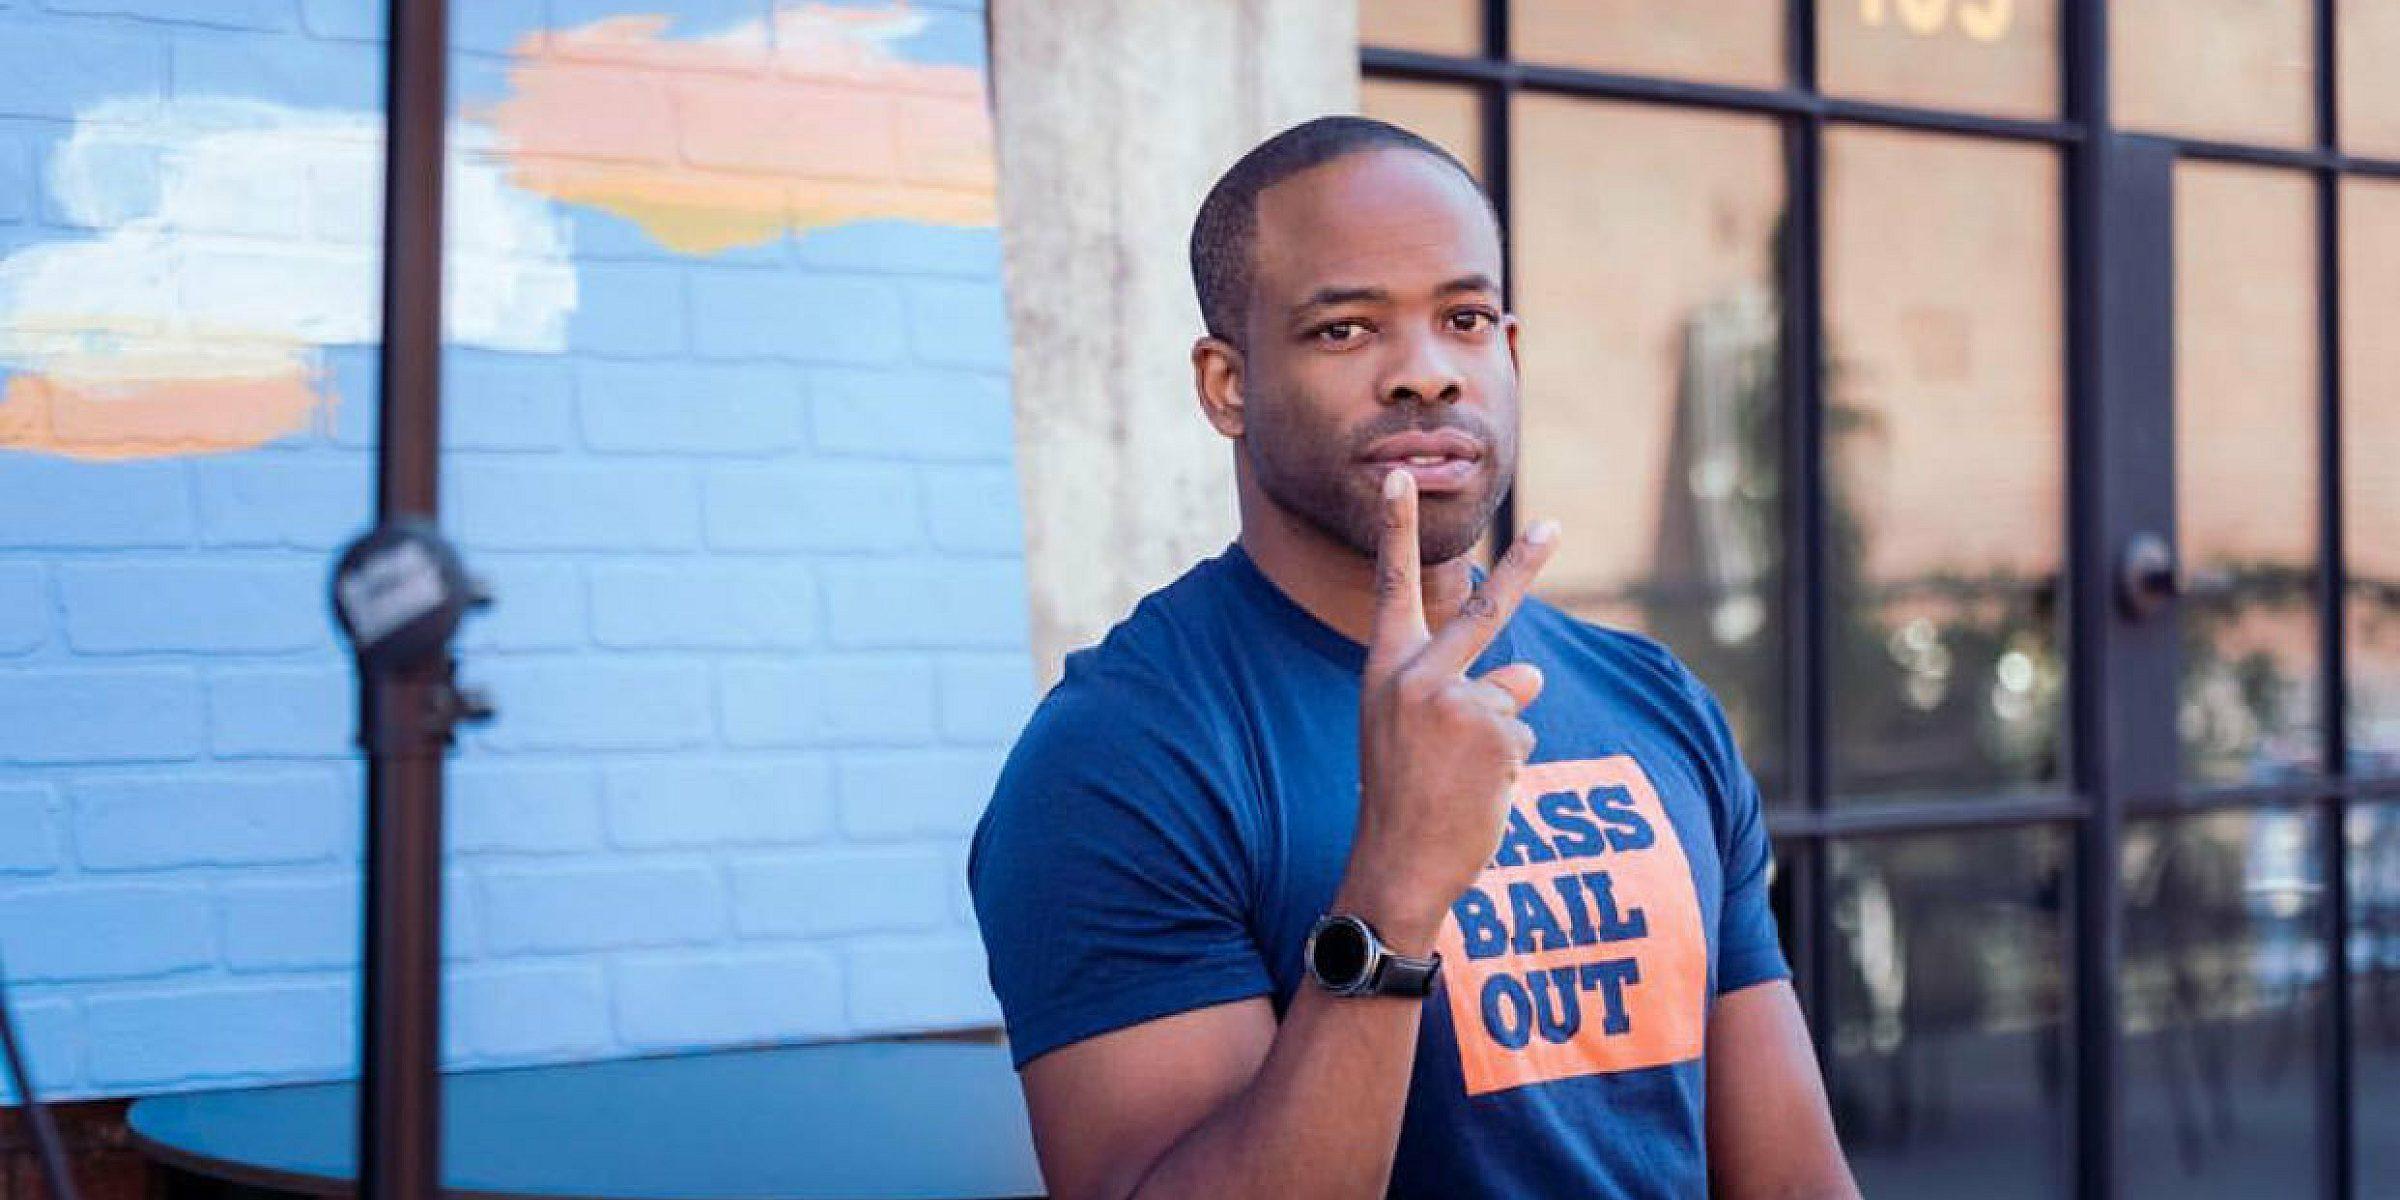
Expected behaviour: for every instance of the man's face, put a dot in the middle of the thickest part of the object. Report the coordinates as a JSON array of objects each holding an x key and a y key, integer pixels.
[{"x": 1376, "y": 341}]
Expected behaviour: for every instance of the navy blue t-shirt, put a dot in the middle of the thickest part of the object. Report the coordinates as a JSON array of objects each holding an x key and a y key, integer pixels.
[{"x": 1181, "y": 807}]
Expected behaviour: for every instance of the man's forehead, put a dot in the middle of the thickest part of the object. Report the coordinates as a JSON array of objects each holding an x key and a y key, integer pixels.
[{"x": 1368, "y": 216}]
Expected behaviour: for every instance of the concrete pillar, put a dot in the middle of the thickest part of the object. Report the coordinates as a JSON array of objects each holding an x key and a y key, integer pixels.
[{"x": 1114, "y": 116}]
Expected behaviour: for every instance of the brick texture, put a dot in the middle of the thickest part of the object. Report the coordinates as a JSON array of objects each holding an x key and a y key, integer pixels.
[{"x": 760, "y": 635}]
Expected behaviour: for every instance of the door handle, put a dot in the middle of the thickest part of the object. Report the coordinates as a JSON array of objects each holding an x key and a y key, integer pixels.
[{"x": 2146, "y": 575}]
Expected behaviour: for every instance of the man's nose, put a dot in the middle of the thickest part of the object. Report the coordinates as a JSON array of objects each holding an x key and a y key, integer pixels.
[{"x": 1425, "y": 374}]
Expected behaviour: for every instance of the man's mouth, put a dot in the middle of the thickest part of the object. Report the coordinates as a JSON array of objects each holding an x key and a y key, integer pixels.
[{"x": 1443, "y": 461}]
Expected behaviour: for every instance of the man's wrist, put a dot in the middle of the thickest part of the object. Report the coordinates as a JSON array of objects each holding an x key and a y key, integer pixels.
[{"x": 1401, "y": 923}]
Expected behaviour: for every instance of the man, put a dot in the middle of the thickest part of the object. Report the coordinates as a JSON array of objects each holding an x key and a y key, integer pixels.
[{"x": 1338, "y": 870}]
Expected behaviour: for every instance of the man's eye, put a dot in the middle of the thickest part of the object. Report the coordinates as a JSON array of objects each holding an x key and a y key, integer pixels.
[
  {"x": 1472, "y": 320},
  {"x": 1339, "y": 332}
]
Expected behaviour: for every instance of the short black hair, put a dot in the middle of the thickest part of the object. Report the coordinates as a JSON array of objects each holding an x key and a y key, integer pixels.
[{"x": 1225, "y": 233}]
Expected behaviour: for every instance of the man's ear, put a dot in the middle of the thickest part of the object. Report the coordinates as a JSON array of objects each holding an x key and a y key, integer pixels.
[
  {"x": 1217, "y": 377},
  {"x": 1508, "y": 326}
]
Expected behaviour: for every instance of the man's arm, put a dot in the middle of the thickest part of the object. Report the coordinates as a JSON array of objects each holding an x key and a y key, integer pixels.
[
  {"x": 1769, "y": 1134},
  {"x": 1222, "y": 1101}
]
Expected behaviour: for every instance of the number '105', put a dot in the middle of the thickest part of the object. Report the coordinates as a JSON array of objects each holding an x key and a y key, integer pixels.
[{"x": 1983, "y": 20}]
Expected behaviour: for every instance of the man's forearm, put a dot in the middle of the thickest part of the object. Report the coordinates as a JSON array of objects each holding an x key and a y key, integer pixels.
[{"x": 1321, "y": 1119}]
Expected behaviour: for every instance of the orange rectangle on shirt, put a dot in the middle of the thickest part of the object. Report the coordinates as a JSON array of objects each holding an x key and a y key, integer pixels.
[{"x": 1594, "y": 956}]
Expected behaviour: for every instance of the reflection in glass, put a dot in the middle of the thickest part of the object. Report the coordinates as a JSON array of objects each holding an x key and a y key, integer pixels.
[
  {"x": 2375, "y": 988},
  {"x": 1722, "y": 41},
  {"x": 1446, "y": 115},
  {"x": 2225, "y": 70},
  {"x": 1646, "y": 280},
  {"x": 1944, "y": 462},
  {"x": 1434, "y": 26},
  {"x": 2221, "y": 992},
  {"x": 1949, "y": 994},
  {"x": 2246, "y": 470},
  {"x": 2370, "y": 485},
  {"x": 2368, "y": 42},
  {"x": 1994, "y": 56}
]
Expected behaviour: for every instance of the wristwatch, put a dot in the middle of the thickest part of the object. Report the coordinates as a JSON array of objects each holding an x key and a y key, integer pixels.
[{"x": 1346, "y": 958}]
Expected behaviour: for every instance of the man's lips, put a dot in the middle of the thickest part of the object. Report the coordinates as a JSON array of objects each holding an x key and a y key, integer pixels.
[{"x": 1441, "y": 460}]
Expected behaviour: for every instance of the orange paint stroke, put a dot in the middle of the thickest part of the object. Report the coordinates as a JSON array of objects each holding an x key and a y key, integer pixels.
[
  {"x": 735, "y": 139},
  {"x": 153, "y": 418}
]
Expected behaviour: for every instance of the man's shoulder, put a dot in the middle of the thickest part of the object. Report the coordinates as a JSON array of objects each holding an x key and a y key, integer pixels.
[{"x": 1638, "y": 657}]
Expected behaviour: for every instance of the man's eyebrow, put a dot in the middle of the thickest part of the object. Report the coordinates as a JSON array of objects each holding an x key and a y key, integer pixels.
[
  {"x": 1330, "y": 297},
  {"x": 1477, "y": 282}
]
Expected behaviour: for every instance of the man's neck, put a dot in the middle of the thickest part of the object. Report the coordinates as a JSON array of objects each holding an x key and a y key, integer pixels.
[{"x": 1332, "y": 580}]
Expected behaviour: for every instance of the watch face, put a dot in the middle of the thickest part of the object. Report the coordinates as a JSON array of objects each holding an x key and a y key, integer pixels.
[{"x": 1339, "y": 954}]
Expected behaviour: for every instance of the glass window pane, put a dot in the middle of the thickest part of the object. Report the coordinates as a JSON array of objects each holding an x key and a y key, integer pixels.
[
  {"x": 2367, "y": 39},
  {"x": 1944, "y": 461},
  {"x": 2223, "y": 961},
  {"x": 1645, "y": 256},
  {"x": 2371, "y": 488},
  {"x": 1995, "y": 56},
  {"x": 1949, "y": 991},
  {"x": 1434, "y": 26},
  {"x": 2375, "y": 988},
  {"x": 1448, "y": 116},
  {"x": 2245, "y": 469},
  {"x": 1723, "y": 41},
  {"x": 2226, "y": 70}
]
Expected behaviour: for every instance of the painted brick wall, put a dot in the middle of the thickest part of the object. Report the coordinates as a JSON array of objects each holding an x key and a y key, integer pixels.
[{"x": 742, "y": 483}]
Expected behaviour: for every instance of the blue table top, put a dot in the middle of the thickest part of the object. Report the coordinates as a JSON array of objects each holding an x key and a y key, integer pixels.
[{"x": 861, "y": 1121}]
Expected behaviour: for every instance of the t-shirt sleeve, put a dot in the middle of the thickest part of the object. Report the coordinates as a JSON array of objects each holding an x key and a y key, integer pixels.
[
  {"x": 1109, "y": 877},
  {"x": 1748, "y": 950}
]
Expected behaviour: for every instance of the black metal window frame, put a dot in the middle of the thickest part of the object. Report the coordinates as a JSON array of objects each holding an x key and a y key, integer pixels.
[{"x": 2094, "y": 806}]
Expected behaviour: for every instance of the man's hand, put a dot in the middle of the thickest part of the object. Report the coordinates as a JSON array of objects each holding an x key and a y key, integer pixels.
[{"x": 1438, "y": 751}]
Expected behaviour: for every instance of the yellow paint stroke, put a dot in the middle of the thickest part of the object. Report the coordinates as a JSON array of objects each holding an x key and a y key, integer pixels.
[
  {"x": 152, "y": 418},
  {"x": 800, "y": 123}
]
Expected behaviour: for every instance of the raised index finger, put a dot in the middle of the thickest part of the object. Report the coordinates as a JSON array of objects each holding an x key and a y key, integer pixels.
[
  {"x": 1488, "y": 610},
  {"x": 1399, "y": 594}
]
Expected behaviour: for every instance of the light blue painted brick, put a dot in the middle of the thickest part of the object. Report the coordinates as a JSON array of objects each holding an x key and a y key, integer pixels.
[
  {"x": 691, "y": 408},
  {"x": 825, "y": 893},
  {"x": 683, "y": 802},
  {"x": 902, "y": 794},
  {"x": 690, "y": 17},
  {"x": 986, "y": 697},
  {"x": 51, "y": 503},
  {"x": 24, "y": 608},
  {"x": 828, "y": 700},
  {"x": 714, "y": 605},
  {"x": 83, "y": 714},
  {"x": 817, "y": 506},
  {"x": 17, "y": 182},
  {"x": 462, "y": 913},
  {"x": 934, "y": 982},
  {"x": 531, "y": 1011},
  {"x": 524, "y": 808},
  {"x": 713, "y": 999},
  {"x": 594, "y": 703},
  {"x": 902, "y": 246},
  {"x": 740, "y": 312},
  {"x": 351, "y": 380},
  {"x": 49, "y": 1032},
  {"x": 628, "y": 310},
  {"x": 505, "y": 401},
  {"x": 918, "y": 414},
  {"x": 221, "y": 818},
  {"x": 280, "y": 500},
  {"x": 578, "y": 506},
  {"x": 290, "y": 70},
  {"x": 290, "y": 925},
  {"x": 363, "y": 20},
  {"x": 125, "y": 182},
  {"x": 29, "y": 824},
  {"x": 537, "y": 605},
  {"x": 974, "y": 510},
  {"x": 958, "y": 324},
  {"x": 283, "y": 712},
  {"x": 600, "y": 906},
  {"x": 57, "y": 69},
  {"x": 56, "y": 933},
  {"x": 222, "y": 14},
  {"x": 969, "y": 603},
  {"x": 195, "y": 604},
  {"x": 185, "y": 1036}
]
